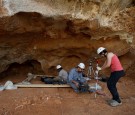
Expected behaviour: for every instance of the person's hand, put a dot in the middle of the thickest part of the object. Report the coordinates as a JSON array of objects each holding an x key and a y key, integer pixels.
[
  {"x": 77, "y": 84},
  {"x": 98, "y": 68},
  {"x": 96, "y": 72}
]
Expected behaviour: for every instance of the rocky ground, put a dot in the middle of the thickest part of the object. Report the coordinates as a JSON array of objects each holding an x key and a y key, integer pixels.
[{"x": 63, "y": 101}]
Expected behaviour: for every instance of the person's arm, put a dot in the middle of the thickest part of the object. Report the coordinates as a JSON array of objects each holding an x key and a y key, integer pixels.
[
  {"x": 108, "y": 61},
  {"x": 82, "y": 78},
  {"x": 76, "y": 83}
]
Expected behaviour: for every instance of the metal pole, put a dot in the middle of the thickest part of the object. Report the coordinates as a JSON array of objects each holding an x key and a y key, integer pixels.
[
  {"x": 96, "y": 84},
  {"x": 96, "y": 77}
]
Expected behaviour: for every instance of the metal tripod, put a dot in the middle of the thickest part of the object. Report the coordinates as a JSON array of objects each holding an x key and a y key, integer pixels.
[
  {"x": 96, "y": 77},
  {"x": 90, "y": 70}
]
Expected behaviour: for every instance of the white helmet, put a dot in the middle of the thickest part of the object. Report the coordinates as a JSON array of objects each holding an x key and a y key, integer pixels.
[
  {"x": 58, "y": 66},
  {"x": 100, "y": 49},
  {"x": 81, "y": 65}
]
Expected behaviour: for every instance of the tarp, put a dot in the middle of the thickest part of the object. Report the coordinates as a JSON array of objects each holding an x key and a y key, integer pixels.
[{"x": 8, "y": 86}]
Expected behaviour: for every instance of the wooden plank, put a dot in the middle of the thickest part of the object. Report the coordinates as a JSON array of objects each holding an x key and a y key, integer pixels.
[
  {"x": 44, "y": 75},
  {"x": 42, "y": 85}
]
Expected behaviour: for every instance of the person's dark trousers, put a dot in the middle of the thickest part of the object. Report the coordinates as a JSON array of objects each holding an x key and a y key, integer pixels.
[{"x": 111, "y": 84}]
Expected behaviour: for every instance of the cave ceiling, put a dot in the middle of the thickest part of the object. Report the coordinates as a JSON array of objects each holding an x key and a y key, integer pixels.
[{"x": 65, "y": 31}]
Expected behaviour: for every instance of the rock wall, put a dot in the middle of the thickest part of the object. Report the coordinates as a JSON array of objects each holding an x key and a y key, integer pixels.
[{"x": 65, "y": 31}]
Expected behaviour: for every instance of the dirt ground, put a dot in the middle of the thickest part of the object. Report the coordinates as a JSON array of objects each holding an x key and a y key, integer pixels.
[{"x": 63, "y": 101}]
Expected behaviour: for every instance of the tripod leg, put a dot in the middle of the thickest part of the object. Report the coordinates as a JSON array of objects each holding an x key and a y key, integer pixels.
[
  {"x": 90, "y": 73},
  {"x": 93, "y": 72}
]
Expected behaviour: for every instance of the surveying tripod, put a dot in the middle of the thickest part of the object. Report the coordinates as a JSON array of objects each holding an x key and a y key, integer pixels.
[
  {"x": 97, "y": 87},
  {"x": 91, "y": 70}
]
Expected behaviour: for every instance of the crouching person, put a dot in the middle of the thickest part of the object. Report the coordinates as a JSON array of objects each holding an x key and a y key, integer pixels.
[{"x": 76, "y": 79}]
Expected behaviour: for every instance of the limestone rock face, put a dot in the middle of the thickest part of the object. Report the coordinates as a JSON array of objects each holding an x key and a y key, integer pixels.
[{"x": 65, "y": 31}]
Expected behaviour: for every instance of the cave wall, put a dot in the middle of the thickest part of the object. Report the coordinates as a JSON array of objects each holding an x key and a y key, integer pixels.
[{"x": 65, "y": 32}]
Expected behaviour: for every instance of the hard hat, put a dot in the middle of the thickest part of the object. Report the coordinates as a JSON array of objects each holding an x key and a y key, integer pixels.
[
  {"x": 81, "y": 65},
  {"x": 58, "y": 66},
  {"x": 100, "y": 49}
]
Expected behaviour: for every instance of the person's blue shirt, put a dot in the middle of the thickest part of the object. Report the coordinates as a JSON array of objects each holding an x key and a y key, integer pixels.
[{"x": 75, "y": 75}]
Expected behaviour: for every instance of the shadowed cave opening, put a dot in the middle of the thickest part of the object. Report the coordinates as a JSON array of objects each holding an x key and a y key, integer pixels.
[{"x": 18, "y": 72}]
